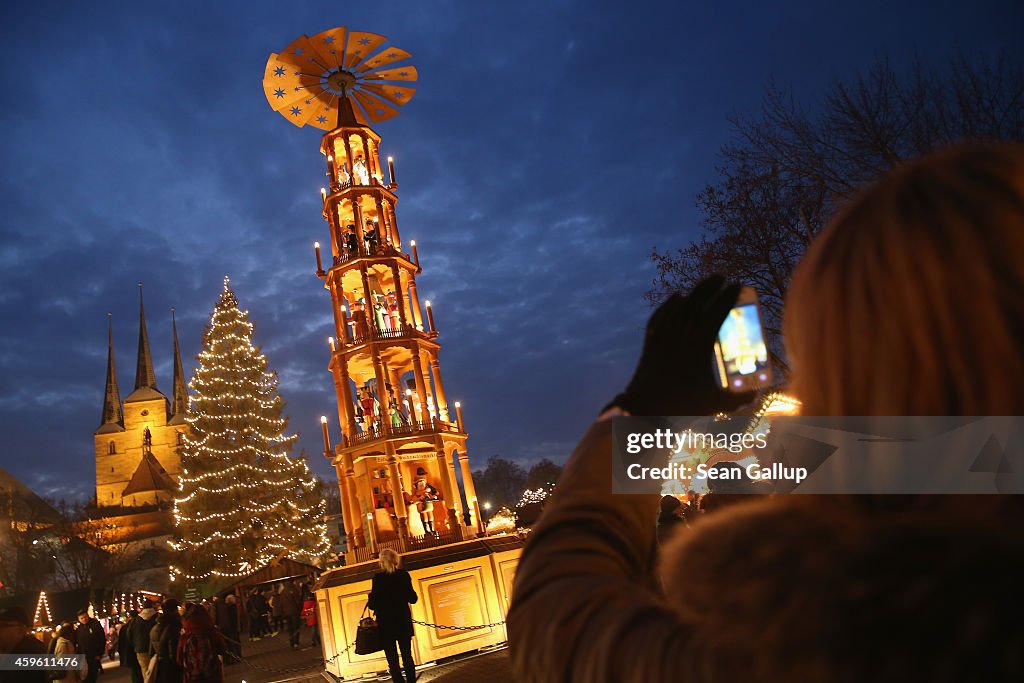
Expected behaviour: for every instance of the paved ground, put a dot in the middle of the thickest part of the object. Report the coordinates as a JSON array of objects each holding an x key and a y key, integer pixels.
[{"x": 271, "y": 660}]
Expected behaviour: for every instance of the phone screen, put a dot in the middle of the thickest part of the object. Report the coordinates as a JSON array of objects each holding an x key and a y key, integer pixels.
[{"x": 741, "y": 353}]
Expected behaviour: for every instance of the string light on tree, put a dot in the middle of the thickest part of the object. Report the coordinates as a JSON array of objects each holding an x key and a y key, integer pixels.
[
  {"x": 243, "y": 501},
  {"x": 538, "y": 495}
]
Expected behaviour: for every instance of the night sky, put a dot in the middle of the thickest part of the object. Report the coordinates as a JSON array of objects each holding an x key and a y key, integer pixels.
[{"x": 550, "y": 145}]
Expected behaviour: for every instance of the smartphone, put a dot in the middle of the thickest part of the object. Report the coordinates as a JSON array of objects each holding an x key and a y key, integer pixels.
[{"x": 741, "y": 356}]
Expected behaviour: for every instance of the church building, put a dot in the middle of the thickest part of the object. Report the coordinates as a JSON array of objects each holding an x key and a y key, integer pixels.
[{"x": 137, "y": 459}]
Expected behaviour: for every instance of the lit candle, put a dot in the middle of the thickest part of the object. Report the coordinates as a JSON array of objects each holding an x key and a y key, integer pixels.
[
  {"x": 323, "y": 193},
  {"x": 330, "y": 340},
  {"x": 391, "y": 171},
  {"x": 319, "y": 262},
  {"x": 431, "y": 327},
  {"x": 458, "y": 413},
  {"x": 415, "y": 253},
  {"x": 327, "y": 439}
]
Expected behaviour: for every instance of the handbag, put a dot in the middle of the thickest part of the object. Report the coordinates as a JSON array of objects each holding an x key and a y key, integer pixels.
[{"x": 368, "y": 638}]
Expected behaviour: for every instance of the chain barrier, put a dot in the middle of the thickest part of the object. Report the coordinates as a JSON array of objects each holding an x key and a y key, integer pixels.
[
  {"x": 330, "y": 660},
  {"x": 457, "y": 628},
  {"x": 318, "y": 662}
]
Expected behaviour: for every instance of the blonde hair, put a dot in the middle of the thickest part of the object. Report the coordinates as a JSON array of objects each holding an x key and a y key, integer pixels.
[
  {"x": 389, "y": 560},
  {"x": 911, "y": 302}
]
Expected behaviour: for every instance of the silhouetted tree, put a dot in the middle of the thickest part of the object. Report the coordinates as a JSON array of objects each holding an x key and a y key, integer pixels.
[
  {"x": 332, "y": 496},
  {"x": 788, "y": 168},
  {"x": 542, "y": 474},
  {"x": 500, "y": 483}
]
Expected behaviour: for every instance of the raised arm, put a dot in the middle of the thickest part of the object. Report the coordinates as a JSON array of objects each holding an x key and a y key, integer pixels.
[{"x": 586, "y": 605}]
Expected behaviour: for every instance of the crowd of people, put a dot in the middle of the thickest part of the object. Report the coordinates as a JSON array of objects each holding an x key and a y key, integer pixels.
[
  {"x": 166, "y": 642},
  {"x": 910, "y": 302},
  {"x": 284, "y": 608}
]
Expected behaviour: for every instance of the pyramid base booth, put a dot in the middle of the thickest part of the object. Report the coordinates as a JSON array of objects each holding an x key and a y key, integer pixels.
[{"x": 459, "y": 585}]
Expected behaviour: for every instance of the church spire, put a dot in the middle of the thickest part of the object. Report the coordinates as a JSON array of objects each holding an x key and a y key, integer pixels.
[
  {"x": 144, "y": 375},
  {"x": 179, "y": 399},
  {"x": 112, "y": 412}
]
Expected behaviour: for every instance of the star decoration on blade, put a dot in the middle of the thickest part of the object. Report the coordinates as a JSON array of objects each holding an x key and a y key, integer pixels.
[{"x": 310, "y": 79}]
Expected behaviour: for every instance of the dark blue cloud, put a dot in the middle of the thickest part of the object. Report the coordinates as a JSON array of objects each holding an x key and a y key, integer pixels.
[{"x": 550, "y": 145}]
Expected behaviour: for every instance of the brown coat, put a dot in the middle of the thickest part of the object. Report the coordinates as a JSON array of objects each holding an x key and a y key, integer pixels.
[
  {"x": 585, "y": 606},
  {"x": 789, "y": 588}
]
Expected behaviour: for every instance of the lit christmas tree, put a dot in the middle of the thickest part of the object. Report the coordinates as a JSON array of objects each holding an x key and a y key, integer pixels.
[{"x": 243, "y": 502}]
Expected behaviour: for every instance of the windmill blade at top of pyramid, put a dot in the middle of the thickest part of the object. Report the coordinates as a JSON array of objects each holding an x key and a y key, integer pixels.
[
  {"x": 399, "y": 73},
  {"x": 281, "y": 83},
  {"x": 313, "y": 79},
  {"x": 395, "y": 94},
  {"x": 376, "y": 109},
  {"x": 383, "y": 58},
  {"x": 359, "y": 46},
  {"x": 330, "y": 45},
  {"x": 326, "y": 119},
  {"x": 314, "y": 110},
  {"x": 302, "y": 53}
]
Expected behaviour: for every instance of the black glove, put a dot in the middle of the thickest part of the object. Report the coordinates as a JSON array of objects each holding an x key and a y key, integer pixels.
[{"x": 675, "y": 375}]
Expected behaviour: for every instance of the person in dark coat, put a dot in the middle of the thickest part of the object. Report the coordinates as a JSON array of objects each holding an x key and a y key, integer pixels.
[
  {"x": 289, "y": 601},
  {"x": 227, "y": 622},
  {"x": 15, "y": 639},
  {"x": 163, "y": 643},
  {"x": 276, "y": 615},
  {"x": 92, "y": 641},
  {"x": 669, "y": 519},
  {"x": 125, "y": 649},
  {"x": 256, "y": 605},
  {"x": 390, "y": 597},
  {"x": 138, "y": 636}
]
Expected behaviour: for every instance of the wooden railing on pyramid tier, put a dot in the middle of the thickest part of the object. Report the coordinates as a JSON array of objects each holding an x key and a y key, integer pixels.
[
  {"x": 384, "y": 249},
  {"x": 383, "y": 431},
  {"x": 367, "y": 553},
  {"x": 403, "y": 332}
]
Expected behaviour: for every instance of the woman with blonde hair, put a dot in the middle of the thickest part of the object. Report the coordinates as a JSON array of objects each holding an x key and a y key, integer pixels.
[
  {"x": 390, "y": 597},
  {"x": 911, "y": 302}
]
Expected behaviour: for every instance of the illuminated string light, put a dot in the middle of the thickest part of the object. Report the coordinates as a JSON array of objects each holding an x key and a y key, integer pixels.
[
  {"x": 538, "y": 495},
  {"x": 42, "y": 605},
  {"x": 243, "y": 501}
]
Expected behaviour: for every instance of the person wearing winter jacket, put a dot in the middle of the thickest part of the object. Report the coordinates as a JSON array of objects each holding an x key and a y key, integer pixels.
[
  {"x": 227, "y": 622},
  {"x": 201, "y": 649},
  {"x": 163, "y": 644},
  {"x": 290, "y": 602},
  {"x": 309, "y": 614},
  {"x": 66, "y": 646},
  {"x": 125, "y": 650},
  {"x": 92, "y": 641},
  {"x": 138, "y": 636}
]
